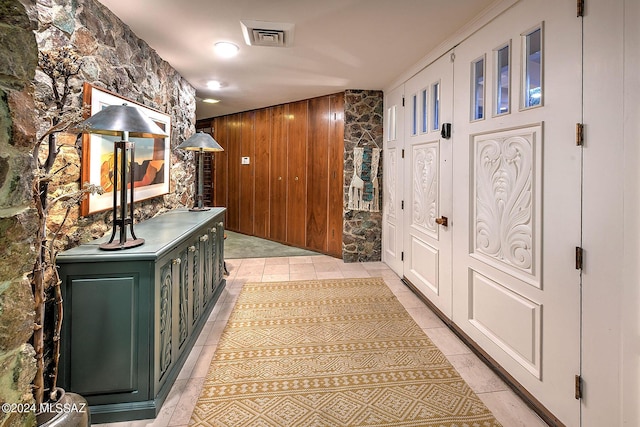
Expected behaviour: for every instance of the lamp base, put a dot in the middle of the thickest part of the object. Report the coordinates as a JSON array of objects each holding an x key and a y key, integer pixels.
[
  {"x": 115, "y": 246},
  {"x": 195, "y": 209}
]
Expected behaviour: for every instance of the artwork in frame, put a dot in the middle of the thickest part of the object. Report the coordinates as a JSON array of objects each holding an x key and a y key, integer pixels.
[{"x": 152, "y": 160}]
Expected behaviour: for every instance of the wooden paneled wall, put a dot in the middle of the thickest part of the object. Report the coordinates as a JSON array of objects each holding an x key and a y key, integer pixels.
[{"x": 291, "y": 190}]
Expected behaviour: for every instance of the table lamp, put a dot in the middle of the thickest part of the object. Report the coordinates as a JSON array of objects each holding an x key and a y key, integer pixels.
[
  {"x": 122, "y": 121},
  {"x": 200, "y": 142}
]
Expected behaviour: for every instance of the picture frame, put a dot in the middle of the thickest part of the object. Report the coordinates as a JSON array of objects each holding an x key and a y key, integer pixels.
[{"x": 152, "y": 156}]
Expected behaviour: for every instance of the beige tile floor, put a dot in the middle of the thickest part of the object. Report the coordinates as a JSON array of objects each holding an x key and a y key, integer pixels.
[{"x": 177, "y": 409}]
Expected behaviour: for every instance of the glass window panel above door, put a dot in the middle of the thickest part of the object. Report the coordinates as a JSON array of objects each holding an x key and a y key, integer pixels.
[
  {"x": 503, "y": 80},
  {"x": 477, "y": 84},
  {"x": 532, "y": 79},
  {"x": 414, "y": 114},
  {"x": 424, "y": 112},
  {"x": 435, "y": 105}
]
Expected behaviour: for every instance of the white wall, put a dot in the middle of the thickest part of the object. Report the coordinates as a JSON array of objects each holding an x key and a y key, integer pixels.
[{"x": 630, "y": 328}]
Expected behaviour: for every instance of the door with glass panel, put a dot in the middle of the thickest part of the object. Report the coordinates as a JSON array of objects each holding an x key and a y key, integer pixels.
[
  {"x": 392, "y": 226},
  {"x": 427, "y": 181},
  {"x": 517, "y": 202}
]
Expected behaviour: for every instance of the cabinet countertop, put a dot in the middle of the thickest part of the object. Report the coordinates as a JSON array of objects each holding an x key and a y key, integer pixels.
[{"x": 161, "y": 234}]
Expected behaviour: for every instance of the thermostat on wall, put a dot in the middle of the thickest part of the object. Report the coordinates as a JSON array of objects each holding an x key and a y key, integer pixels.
[{"x": 245, "y": 160}]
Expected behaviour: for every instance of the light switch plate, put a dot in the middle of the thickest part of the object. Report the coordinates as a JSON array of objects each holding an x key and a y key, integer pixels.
[{"x": 245, "y": 160}]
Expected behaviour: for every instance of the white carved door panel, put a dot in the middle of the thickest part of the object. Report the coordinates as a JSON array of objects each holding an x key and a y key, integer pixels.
[
  {"x": 392, "y": 180},
  {"x": 517, "y": 202},
  {"x": 428, "y": 180}
]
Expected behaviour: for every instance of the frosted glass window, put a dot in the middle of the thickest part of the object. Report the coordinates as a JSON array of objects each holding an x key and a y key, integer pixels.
[
  {"x": 435, "y": 95},
  {"x": 502, "y": 80},
  {"x": 477, "y": 84},
  {"x": 533, "y": 69},
  {"x": 391, "y": 128},
  {"x": 423, "y": 111},
  {"x": 414, "y": 115}
]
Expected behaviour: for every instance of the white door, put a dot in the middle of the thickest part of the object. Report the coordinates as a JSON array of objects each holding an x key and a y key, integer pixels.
[
  {"x": 427, "y": 182},
  {"x": 517, "y": 202},
  {"x": 392, "y": 180}
]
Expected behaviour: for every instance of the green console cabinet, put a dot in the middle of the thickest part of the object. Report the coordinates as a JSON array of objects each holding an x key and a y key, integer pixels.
[{"x": 132, "y": 316}]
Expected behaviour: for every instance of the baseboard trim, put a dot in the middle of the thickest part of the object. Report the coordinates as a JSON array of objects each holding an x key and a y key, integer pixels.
[{"x": 517, "y": 388}]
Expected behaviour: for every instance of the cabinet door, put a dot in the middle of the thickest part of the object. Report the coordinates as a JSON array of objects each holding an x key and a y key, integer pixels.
[
  {"x": 207, "y": 270},
  {"x": 219, "y": 259},
  {"x": 182, "y": 300},
  {"x": 195, "y": 282},
  {"x": 296, "y": 179},
  {"x": 164, "y": 354},
  {"x": 213, "y": 251},
  {"x": 278, "y": 184}
]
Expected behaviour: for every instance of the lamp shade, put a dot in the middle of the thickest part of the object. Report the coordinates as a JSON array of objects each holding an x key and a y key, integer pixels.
[
  {"x": 200, "y": 141},
  {"x": 115, "y": 119}
]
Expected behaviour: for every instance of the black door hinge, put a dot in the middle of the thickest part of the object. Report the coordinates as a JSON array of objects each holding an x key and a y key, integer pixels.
[
  {"x": 402, "y": 205},
  {"x": 579, "y": 134},
  {"x": 578, "y": 387},
  {"x": 579, "y": 258},
  {"x": 580, "y": 8},
  {"x": 401, "y": 256},
  {"x": 403, "y": 101},
  {"x": 403, "y": 153}
]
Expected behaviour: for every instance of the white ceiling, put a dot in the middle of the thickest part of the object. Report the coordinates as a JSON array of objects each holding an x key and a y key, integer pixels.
[{"x": 338, "y": 44}]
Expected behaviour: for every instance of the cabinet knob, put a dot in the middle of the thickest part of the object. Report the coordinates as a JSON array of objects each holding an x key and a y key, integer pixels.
[
  {"x": 177, "y": 261},
  {"x": 204, "y": 238},
  {"x": 221, "y": 224},
  {"x": 296, "y": 178},
  {"x": 279, "y": 178},
  {"x": 192, "y": 248}
]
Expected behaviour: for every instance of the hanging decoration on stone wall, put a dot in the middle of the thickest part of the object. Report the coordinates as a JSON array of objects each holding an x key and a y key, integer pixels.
[{"x": 364, "y": 191}]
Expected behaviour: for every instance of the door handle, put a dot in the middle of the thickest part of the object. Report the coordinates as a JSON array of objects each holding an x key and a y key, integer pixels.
[{"x": 443, "y": 221}]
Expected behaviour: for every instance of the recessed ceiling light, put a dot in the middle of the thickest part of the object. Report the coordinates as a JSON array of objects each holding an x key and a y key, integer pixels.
[
  {"x": 226, "y": 49},
  {"x": 211, "y": 100},
  {"x": 214, "y": 84}
]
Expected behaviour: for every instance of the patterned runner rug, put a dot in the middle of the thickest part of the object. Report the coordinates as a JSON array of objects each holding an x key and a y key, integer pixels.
[{"x": 328, "y": 353}]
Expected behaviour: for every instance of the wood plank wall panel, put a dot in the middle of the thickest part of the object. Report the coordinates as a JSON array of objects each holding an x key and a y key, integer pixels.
[
  {"x": 302, "y": 139},
  {"x": 318, "y": 173},
  {"x": 235, "y": 152},
  {"x": 296, "y": 177},
  {"x": 278, "y": 178},
  {"x": 262, "y": 172},
  {"x": 247, "y": 173},
  {"x": 336, "y": 177},
  {"x": 220, "y": 160}
]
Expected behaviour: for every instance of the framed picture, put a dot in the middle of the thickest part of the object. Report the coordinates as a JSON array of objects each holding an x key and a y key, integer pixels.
[{"x": 152, "y": 161}]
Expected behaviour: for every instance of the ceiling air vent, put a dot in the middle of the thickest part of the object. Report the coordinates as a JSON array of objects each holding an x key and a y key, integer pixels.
[{"x": 263, "y": 33}]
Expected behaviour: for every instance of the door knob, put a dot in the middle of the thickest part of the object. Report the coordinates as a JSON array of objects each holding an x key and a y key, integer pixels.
[{"x": 443, "y": 220}]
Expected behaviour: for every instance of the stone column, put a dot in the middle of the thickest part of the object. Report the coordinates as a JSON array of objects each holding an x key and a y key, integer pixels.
[{"x": 363, "y": 121}]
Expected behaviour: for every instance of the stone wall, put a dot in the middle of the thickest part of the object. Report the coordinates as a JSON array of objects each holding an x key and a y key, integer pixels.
[
  {"x": 114, "y": 59},
  {"x": 363, "y": 121},
  {"x": 19, "y": 53}
]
